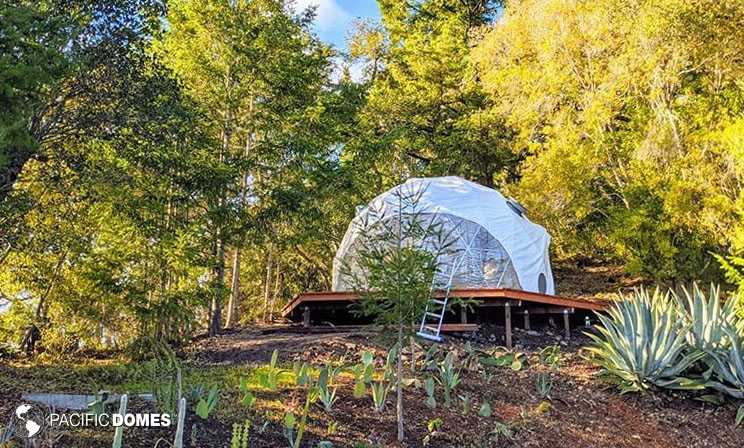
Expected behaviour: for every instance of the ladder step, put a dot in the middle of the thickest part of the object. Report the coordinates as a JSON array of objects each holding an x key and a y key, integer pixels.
[
  {"x": 438, "y": 316},
  {"x": 430, "y": 337},
  {"x": 439, "y": 302},
  {"x": 434, "y": 330}
]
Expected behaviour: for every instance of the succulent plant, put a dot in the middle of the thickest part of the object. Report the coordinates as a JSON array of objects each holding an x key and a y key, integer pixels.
[
  {"x": 728, "y": 365},
  {"x": 642, "y": 342},
  {"x": 707, "y": 317}
]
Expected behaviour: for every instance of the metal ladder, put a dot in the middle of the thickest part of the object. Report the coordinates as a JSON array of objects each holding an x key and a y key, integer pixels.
[{"x": 431, "y": 322}]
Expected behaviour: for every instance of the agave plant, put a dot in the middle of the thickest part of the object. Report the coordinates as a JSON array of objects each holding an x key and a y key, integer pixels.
[
  {"x": 642, "y": 342},
  {"x": 707, "y": 317},
  {"x": 728, "y": 365}
]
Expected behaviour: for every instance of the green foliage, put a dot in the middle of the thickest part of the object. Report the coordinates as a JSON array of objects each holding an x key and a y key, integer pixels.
[
  {"x": 240, "y": 435},
  {"x": 501, "y": 431},
  {"x": 543, "y": 385},
  {"x": 269, "y": 378},
  {"x": 379, "y": 392},
  {"x": 733, "y": 271},
  {"x": 626, "y": 123},
  {"x": 485, "y": 409},
  {"x": 363, "y": 374},
  {"x": 707, "y": 317},
  {"x": 551, "y": 356},
  {"x": 515, "y": 360},
  {"x": 467, "y": 403},
  {"x": 449, "y": 377},
  {"x": 727, "y": 364},
  {"x": 248, "y": 398},
  {"x": 294, "y": 430},
  {"x": 206, "y": 405},
  {"x": 642, "y": 342},
  {"x": 326, "y": 395},
  {"x": 429, "y": 388}
]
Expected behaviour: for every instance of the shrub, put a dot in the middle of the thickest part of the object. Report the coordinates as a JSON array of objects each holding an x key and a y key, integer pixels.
[{"x": 642, "y": 342}]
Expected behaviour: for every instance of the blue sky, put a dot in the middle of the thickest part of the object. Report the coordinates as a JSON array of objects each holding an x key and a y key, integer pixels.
[{"x": 334, "y": 18}]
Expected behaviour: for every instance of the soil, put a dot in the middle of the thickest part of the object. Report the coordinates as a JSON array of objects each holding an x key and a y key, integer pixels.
[{"x": 583, "y": 409}]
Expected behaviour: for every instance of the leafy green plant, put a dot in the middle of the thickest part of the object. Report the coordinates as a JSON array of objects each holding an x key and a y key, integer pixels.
[
  {"x": 448, "y": 377},
  {"x": 467, "y": 403},
  {"x": 97, "y": 406},
  {"x": 550, "y": 356},
  {"x": 543, "y": 385},
  {"x": 363, "y": 374},
  {"x": 379, "y": 391},
  {"x": 294, "y": 430},
  {"x": 429, "y": 388},
  {"x": 332, "y": 428},
  {"x": 326, "y": 395},
  {"x": 642, "y": 342},
  {"x": 515, "y": 360},
  {"x": 301, "y": 373},
  {"x": 269, "y": 379},
  {"x": 207, "y": 405},
  {"x": 501, "y": 431},
  {"x": 485, "y": 409},
  {"x": 240, "y": 435}
]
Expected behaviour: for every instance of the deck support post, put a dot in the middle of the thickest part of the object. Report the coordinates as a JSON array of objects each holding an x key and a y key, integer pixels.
[
  {"x": 463, "y": 314},
  {"x": 508, "y": 324},
  {"x": 567, "y": 324},
  {"x": 527, "y": 320},
  {"x": 306, "y": 317}
]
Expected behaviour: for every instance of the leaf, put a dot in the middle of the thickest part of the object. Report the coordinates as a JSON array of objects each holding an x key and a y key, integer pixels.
[
  {"x": 202, "y": 409},
  {"x": 739, "y": 416},
  {"x": 516, "y": 365},
  {"x": 248, "y": 400},
  {"x": 485, "y": 410},
  {"x": 289, "y": 420},
  {"x": 360, "y": 389}
]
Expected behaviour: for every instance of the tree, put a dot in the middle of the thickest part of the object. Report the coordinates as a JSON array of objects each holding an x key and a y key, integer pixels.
[
  {"x": 622, "y": 108},
  {"x": 393, "y": 267},
  {"x": 227, "y": 53},
  {"x": 424, "y": 114},
  {"x": 52, "y": 53}
]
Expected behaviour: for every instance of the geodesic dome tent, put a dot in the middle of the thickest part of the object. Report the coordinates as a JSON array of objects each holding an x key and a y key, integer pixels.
[{"x": 493, "y": 244}]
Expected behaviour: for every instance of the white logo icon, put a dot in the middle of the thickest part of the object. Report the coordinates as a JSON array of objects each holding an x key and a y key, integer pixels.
[{"x": 31, "y": 426}]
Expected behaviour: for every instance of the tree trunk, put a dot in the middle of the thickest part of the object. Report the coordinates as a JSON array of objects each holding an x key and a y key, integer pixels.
[
  {"x": 234, "y": 289},
  {"x": 33, "y": 334},
  {"x": 267, "y": 283},
  {"x": 277, "y": 285},
  {"x": 219, "y": 282},
  {"x": 399, "y": 382}
]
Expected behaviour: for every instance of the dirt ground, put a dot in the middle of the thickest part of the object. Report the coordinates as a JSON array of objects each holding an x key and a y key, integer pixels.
[{"x": 583, "y": 409}]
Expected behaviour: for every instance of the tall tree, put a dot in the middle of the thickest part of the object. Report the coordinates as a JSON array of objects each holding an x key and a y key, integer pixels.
[
  {"x": 423, "y": 110},
  {"x": 258, "y": 73},
  {"x": 627, "y": 110}
]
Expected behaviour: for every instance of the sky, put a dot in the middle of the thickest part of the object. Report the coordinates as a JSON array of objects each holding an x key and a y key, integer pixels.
[{"x": 334, "y": 18}]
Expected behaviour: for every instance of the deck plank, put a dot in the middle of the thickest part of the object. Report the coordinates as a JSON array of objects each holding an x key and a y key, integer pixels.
[{"x": 484, "y": 295}]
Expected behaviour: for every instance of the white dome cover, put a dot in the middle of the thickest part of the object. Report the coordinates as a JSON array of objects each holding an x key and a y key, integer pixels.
[{"x": 525, "y": 242}]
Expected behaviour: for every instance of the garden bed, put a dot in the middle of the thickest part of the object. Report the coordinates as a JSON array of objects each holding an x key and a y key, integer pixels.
[{"x": 583, "y": 410}]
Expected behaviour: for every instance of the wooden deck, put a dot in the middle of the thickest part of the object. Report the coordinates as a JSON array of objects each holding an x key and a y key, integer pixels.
[{"x": 485, "y": 296}]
